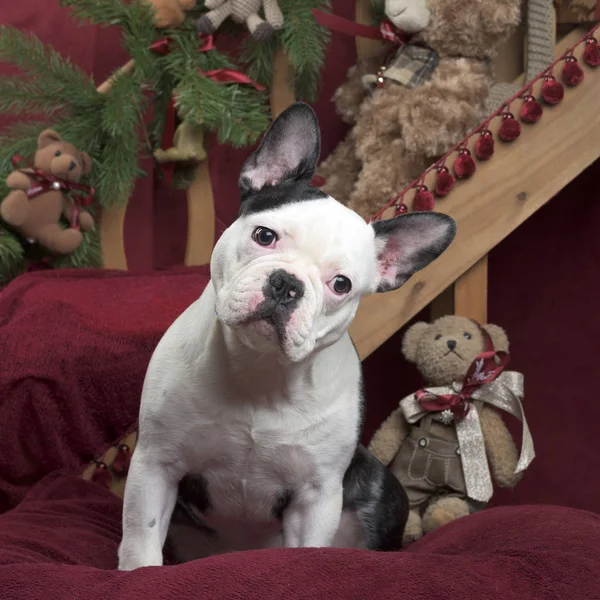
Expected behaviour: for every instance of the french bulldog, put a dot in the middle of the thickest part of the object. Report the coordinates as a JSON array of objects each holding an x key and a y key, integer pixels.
[{"x": 252, "y": 406}]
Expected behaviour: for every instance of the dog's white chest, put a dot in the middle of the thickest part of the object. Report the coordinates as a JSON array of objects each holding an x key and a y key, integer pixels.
[{"x": 250, "y": 460}]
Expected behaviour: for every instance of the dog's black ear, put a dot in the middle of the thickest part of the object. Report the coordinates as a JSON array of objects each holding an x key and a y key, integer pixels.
[
  {"x": 408, "y": 243},
  {"x": 289, "y": 151}
]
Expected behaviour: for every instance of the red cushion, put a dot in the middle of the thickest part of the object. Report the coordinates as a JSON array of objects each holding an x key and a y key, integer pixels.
[
  {"x": 61, "y": 542},
  {"x": 75, "y": 347}
]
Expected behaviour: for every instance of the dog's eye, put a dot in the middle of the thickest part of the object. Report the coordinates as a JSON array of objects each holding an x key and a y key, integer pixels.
[
  {"x": 438, "y": 336},
  {"x": 467, "y": 335},
  {"x": 57, "y": 153},
  {"x": 340, "y": 285},
  {"x": 264, "y": 236}
]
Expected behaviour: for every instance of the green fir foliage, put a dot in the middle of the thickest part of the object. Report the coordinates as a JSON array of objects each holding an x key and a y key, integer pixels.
[{"x": 125, "y": 124}]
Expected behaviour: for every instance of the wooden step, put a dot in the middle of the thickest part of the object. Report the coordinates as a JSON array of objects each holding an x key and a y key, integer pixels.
[{"x": 519, "y": 179}]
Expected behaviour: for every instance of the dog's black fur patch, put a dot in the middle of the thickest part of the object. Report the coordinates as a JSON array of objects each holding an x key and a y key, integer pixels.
[
  {"x": 379, "y": 500},
  {"x": 275, "y": 196},
  {"x": 193, "y": 489},
  {"x": 282, "y": 501}
]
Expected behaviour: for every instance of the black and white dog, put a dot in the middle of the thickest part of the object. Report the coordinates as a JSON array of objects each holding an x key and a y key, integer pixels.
[{"x": 252, "y": 404}]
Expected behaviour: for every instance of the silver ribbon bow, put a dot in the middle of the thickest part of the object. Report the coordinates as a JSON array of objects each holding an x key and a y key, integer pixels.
[{"x": 505, "y": 393}]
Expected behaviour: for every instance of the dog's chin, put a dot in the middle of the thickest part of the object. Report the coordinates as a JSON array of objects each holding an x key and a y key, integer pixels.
[{"x": 264, "y": 336}]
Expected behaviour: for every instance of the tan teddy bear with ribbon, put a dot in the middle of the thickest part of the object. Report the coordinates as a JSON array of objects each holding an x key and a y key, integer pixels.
[
  {"x": 47, "y": 190},
  {"x": 414, "y": 104},
  {"x": 439, "y": 440},
  {"x": 242, "y": 11}
]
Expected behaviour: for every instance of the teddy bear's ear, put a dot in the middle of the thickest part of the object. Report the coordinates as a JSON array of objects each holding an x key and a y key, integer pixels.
[
  {"x": 47, "y": 137},
  {"x": 499, "y": 337},
  {"x": 86, "y": 163},
  {"x": 411, "y": 340}
]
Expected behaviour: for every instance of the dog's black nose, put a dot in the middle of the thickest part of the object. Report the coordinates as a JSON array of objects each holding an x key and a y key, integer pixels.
[
  {"x": 284, "y": 287},
  {"x": 72, "y": 165},
  {"x": 451, "y": 344}
]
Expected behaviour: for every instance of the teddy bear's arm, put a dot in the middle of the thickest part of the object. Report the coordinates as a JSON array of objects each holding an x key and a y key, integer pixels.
[
  {"x": 18, "y": 180},
  {"x": 389, "y": 437},
  {"x": 349, "y": 97},
  {"x": 438, "y": 114},
  {"x": 500, "y": 447}
]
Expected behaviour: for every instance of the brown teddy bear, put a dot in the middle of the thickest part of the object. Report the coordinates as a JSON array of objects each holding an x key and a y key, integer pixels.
[
  {"x": 428, "y": 97},
  {"x": 439, "y": 440},
  {"x": 242, "y": 11},
  {"x": 170, "y": 13},
  {"x": 35, "y": 210}
]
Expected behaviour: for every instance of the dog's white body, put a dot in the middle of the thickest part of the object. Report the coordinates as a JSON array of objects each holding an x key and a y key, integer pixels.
[{"x": 252, "y": 404}]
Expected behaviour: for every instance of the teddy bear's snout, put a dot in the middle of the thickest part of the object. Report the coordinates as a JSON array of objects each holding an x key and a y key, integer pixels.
[
  {"x": 451, "y": 344},
  {"x": 72, "y": 165}
]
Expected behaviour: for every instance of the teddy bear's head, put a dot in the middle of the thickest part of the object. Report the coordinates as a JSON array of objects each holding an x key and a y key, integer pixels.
[
  {"x": 60, "y": 158},
  {"x": 471, "y": 29},
  {"x": 444, "y": 350}
]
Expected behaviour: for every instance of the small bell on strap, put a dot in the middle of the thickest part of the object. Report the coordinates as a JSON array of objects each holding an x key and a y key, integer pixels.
[
  {"x": 510, "y": 128},
  {"x": 424, "y": 200},
  {"x": 484, "y": 146},
  {"x": 531, "y": 110},
  {"x": 445, "y": 181},
  {"x": 121, "y": 463},
  {"x": 464, "y": 165},
  {"x": 591, "y": 54},
  {"x": 101, "y": 474},
  {"x": 552, "y": 90},
  {"x": 401, "y": 209},
  {"x": 572, "y": 73}
]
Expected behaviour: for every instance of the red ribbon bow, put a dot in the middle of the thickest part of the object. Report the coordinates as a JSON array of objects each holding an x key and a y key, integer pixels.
[
  {"x": 44, "y": 182},
  {"x": 486, "y": 367}
]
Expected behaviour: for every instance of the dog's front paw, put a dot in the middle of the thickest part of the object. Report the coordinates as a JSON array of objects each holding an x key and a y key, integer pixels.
[{"x": 131, "y": 559}]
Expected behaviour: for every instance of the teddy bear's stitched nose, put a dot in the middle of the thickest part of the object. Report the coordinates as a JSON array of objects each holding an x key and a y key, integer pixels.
[
  {"x": 451, "y": 344},
  {"x": 72, "y": 165}
]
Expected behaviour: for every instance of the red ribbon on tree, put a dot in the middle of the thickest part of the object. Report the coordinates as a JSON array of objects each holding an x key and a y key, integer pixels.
[
  {"x": 486, "y": 367},
  {"x": 231, "y": 76},
  {"x": 45, "y": 182}
]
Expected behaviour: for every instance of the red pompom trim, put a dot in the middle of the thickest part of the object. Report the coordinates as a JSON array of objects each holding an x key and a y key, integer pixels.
[
  {"x": 484, "y": 147},
  {"x": 552, "y": 90},
  {"x": 423, "y": 200},
  {"x": 317, "y": 181},
  {"x": 572, "y": 72},
  {"x": 402, "y": 209},
  {"x": 510, "y": 129},
  {"x": 591, "y": 54},
  {"x": 122, "y": 459},
  {"x": 444, "y": 182},
  {"x": 102, "y": 475},
  {"x": 464, "y": 166},
  {"x": 531, "y": 110}
]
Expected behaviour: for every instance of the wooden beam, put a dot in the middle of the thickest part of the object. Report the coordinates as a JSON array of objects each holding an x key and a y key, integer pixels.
[
  {"x": 112, "y": 219},
  {"x": 282, "y": 92},
  {"x": 364, "y": 15},
  {"x": 514, "y": 184},
  {"x": 201, "y": 218}
]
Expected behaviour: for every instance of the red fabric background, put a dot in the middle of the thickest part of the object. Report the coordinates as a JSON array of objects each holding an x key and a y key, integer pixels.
[{"x": 61, "y": 542}]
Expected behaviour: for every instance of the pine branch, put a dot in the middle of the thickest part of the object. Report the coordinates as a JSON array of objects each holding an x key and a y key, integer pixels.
[
  {"x": 68, "y": 84},
  {"x": 19, "y": 96},
  {"x": 260, "y": 57},
  {"x": 304, "y": 41},
  {"x": 237, "y": 112},
  {"x": 378, "y": 11},
  {"x": 11, "y": 257},
  {"x": 98, "y": 12}
]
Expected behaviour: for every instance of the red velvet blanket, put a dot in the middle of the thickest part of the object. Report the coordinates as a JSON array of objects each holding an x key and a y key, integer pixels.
[
  {"x": 61, "y": 543},
  {"x": 74, "y": 349}
]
